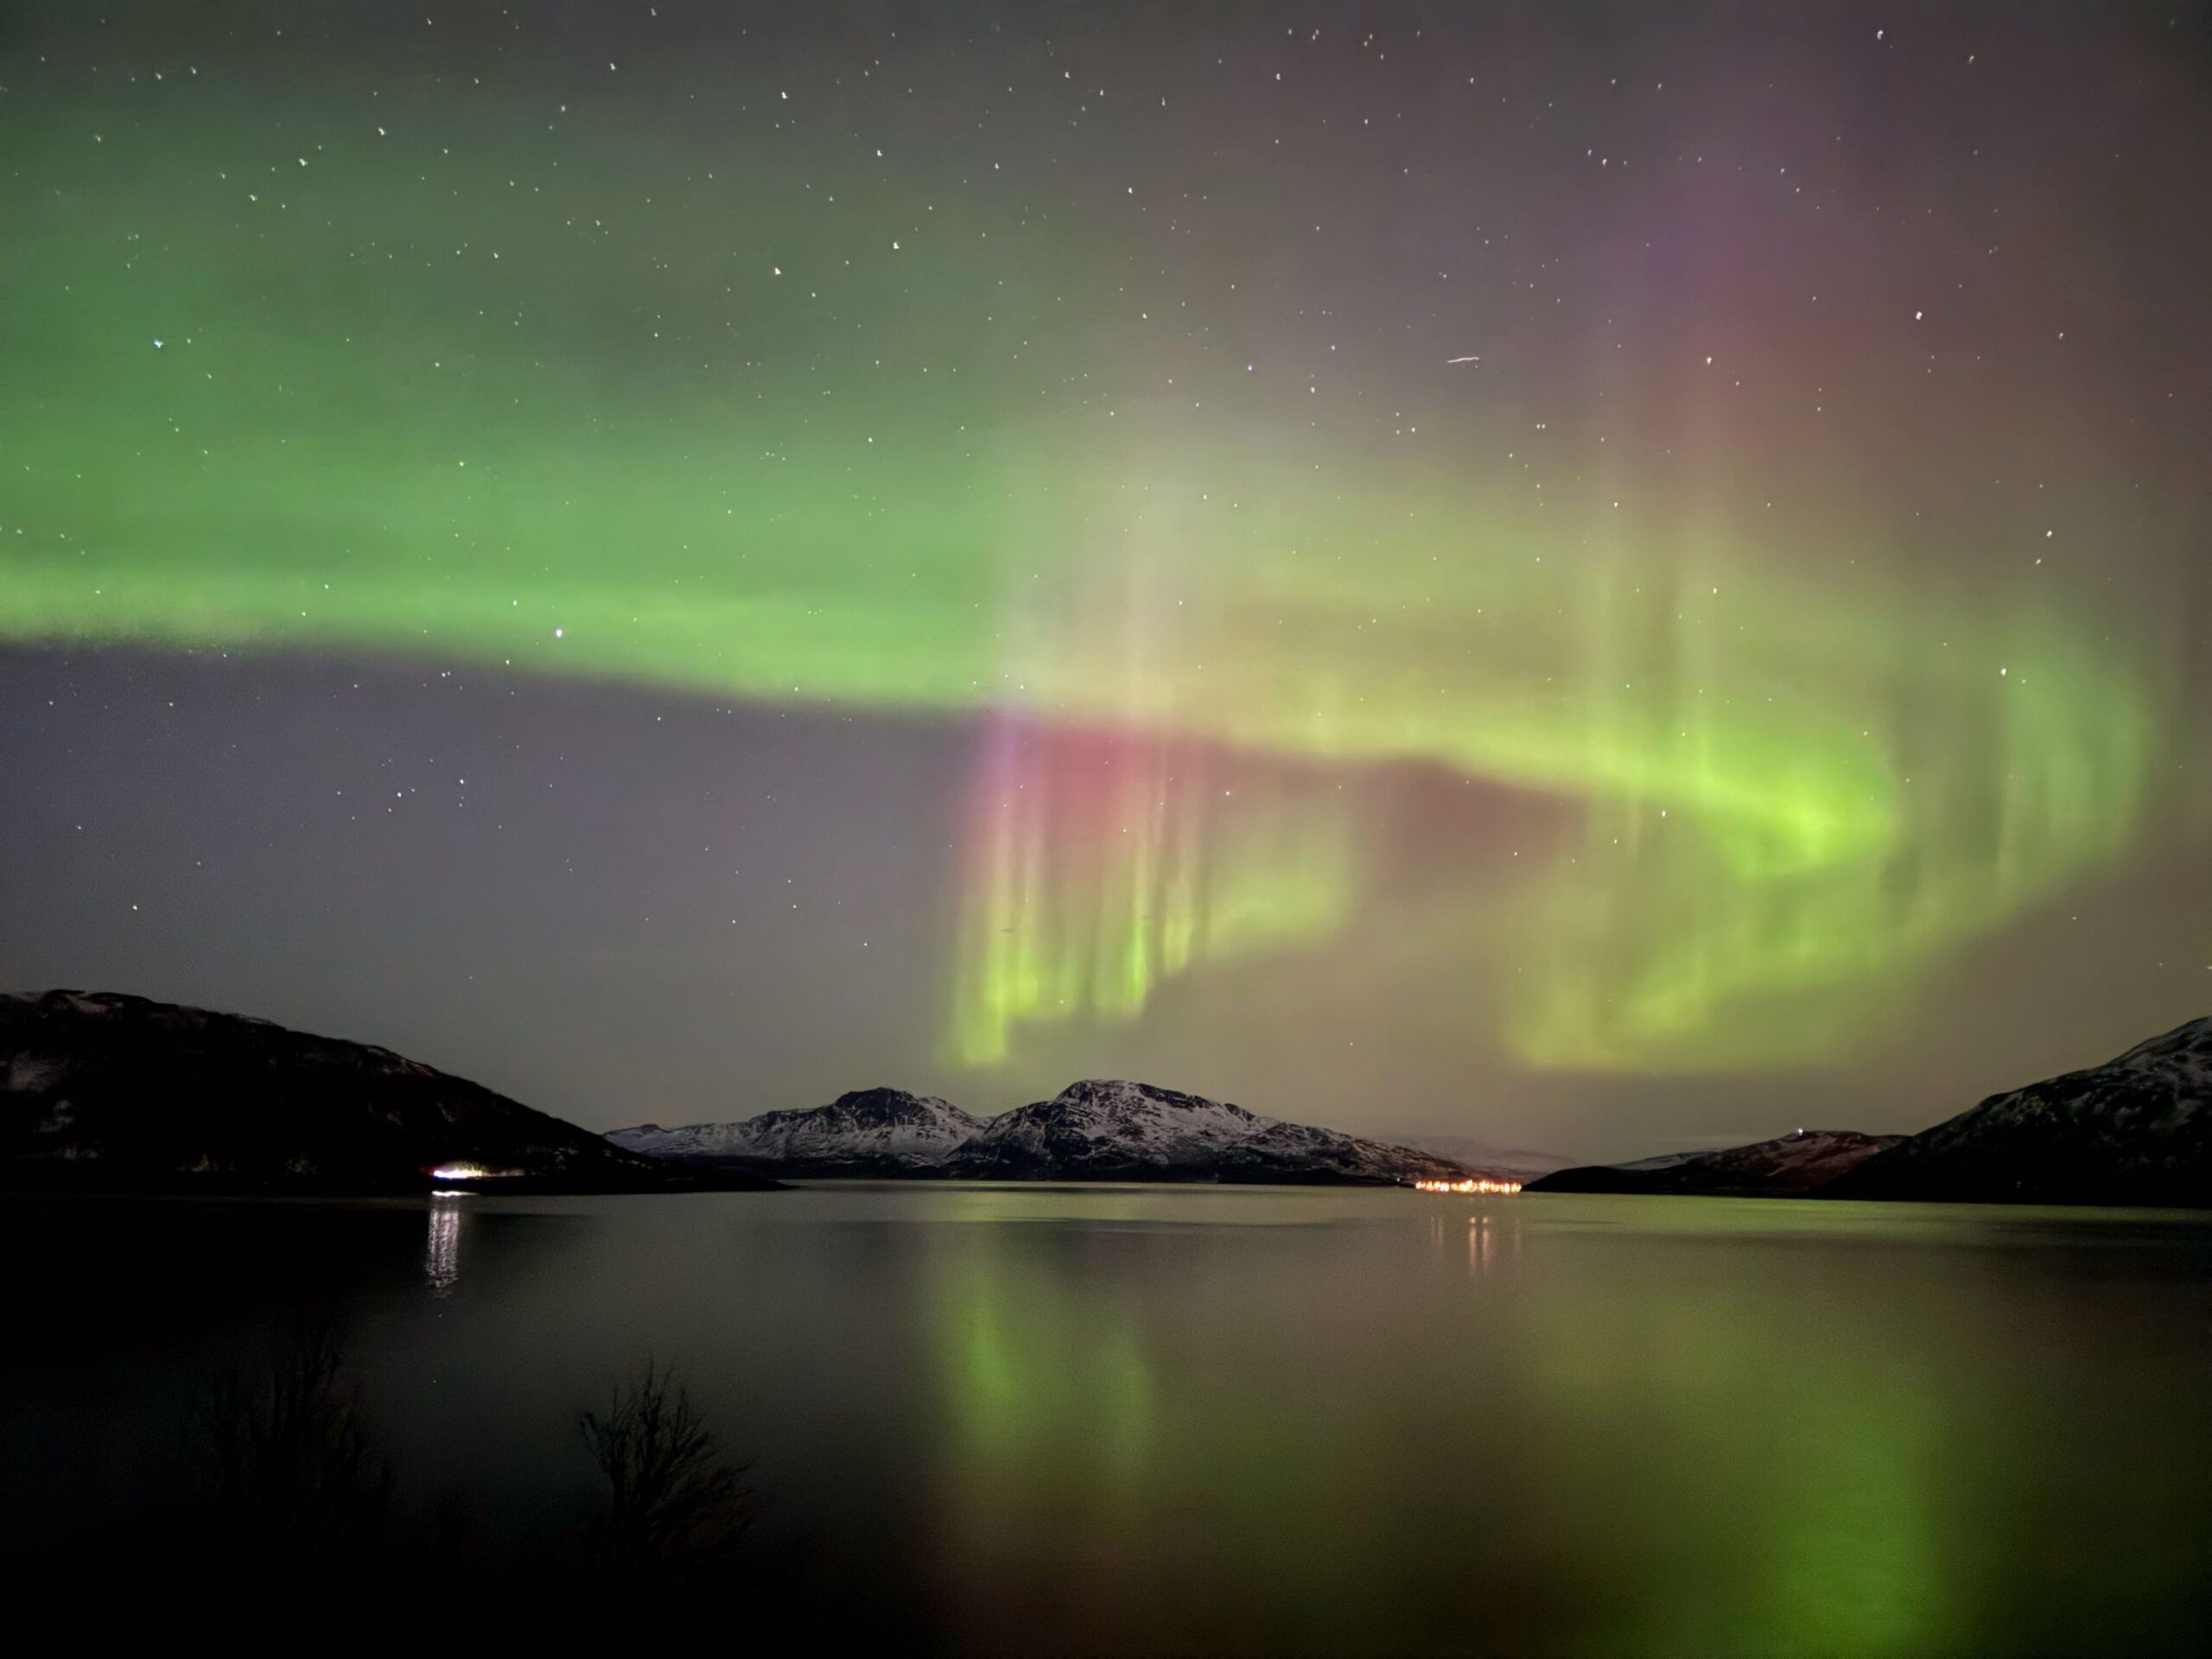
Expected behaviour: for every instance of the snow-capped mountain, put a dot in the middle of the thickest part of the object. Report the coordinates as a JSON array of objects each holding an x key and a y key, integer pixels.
[
  {"x": 1787, "y": 1164},
  {"x": 1109, "y": 1130},
  {"x": 1089, "y": 1131},
  {"x": 869, "y": 1131},
  {"x": 2137, "y": 1129}
]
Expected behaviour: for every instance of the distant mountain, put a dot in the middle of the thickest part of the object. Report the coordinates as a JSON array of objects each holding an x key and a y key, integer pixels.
[
  {"x": 1662, "y": 1160},
  {"x": 1098, "y": 1131},
  {"x": 1114, "y": 1131},
  {"x": 1786, "y": 1167},
  {"x": 99, "y": 1091},
  {"x": 868, "y": 1132},
  {"x": 2136, "y": 1130},
  {"x": 1481, "y": 1158}
]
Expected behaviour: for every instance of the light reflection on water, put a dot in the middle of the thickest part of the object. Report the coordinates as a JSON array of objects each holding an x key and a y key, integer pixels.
[
  {"x": 441, "y": 1249},
  {"x": 1113, "y": 1419},
  {"x": 1489, "y": 1237},
  {"x": 1493, "y": 1242}
]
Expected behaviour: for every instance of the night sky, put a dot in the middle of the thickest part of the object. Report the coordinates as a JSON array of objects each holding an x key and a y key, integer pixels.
[{"x": 1600, "y": 577}]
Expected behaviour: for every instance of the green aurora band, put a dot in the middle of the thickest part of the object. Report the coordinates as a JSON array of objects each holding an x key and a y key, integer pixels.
[{"x": 378, "y": 420}]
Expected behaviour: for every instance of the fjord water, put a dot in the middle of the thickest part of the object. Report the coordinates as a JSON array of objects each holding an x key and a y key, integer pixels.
[{"x": 1109, "y": 1419}]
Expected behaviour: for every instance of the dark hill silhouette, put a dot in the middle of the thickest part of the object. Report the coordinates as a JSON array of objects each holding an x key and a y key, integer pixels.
[
  {"x": 104, "y": 1091},
  {"x": 2137, "y": 1129},
  {"x": 1783, "y": 1167}
]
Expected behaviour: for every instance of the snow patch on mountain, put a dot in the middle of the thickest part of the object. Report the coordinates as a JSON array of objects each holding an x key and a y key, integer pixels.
[
  {"x": 1110, "y": 1130},
  {"x": 1097, "y": 1129},
  {"x": 2137, "y": 1129},
  {"x": 886, "y": 1126}
]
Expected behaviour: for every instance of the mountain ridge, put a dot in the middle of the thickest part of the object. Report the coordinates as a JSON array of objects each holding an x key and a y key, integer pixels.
[
  {"x": 1094, "y": 1129},
  {"x": 863, "y": 1131},
  {"x": 105, "y": 1091},
  {"x": 2134, "y": 1130},
  {"x": 1786, "y": 1166},
  {"x": 102, "y": 1091}
]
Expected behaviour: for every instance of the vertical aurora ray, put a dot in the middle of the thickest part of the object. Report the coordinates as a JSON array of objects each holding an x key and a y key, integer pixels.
[
  {"x": 1100, "y": 864},
  {"x": 1795, "y": 821},
  {"x": 426, "y": 391},
  {"x": 1792, "y": 815},
  {"x": 1976, "y": 793}
]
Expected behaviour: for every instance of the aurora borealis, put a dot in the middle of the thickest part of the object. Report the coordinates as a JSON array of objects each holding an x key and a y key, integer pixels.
[{"x": 1774, "y": 666}]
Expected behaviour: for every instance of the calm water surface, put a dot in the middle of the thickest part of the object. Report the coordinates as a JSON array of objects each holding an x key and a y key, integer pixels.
[{"x": 1109, "y": 1419}]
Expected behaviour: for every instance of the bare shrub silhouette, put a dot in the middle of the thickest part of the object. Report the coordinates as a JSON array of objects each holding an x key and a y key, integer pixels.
[
  {"x": 674, "y": 1507},
  {"x": 291, "y": 1468},
  {"x": 294, "y": 1493}
]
